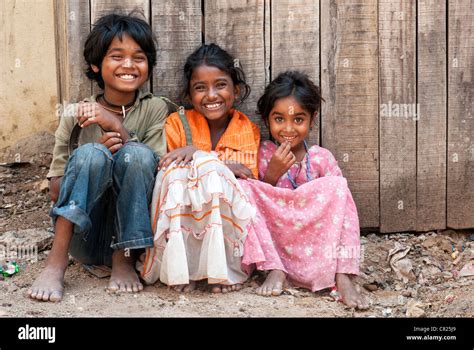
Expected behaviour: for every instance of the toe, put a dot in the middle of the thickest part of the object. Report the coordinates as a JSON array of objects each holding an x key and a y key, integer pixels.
[
  {"x": 113, "y": 287},
  {"x": 46, "y": 295},
  {"x": 39, "y": 294},
  {"x": 216, "y": 289},
  {"x": 56, "y": 296}
]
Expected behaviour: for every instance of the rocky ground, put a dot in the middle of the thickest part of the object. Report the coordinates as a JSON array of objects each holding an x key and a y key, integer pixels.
[{"x": 404, "y": 274}]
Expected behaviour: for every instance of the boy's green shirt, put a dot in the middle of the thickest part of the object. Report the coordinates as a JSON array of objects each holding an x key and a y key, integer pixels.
[{"x": 145, "y": 121}]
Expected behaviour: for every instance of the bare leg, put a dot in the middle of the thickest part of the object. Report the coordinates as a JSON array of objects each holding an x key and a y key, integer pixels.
[
  {"x": 274, "y": 284},
  {"x": 49, "y": 285},
  {"x": 350, "y": 296},
  {"x": 124, "y": 278}
]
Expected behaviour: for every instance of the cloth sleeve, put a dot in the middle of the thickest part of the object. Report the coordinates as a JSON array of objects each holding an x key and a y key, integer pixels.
[
  {"x": 154, "y": 136},
  {"x": 61, "y": 147}
]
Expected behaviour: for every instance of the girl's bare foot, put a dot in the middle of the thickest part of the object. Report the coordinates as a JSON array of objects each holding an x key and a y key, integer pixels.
[
  {"x": 124, "y": 278},
  {"x": 186, "y": 288},
  {"x": 49, "y": 285},
  {"x": 350, "y": 296},
  {"x": 273, "y": 285},
  {"x": 222, "y": 288}
]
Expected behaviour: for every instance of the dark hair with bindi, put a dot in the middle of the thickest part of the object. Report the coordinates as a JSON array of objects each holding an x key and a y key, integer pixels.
[
  {"x": 290, "y": 83},
  {"x": 116, "y": 25},
  {"x": 213, "y": 55}
]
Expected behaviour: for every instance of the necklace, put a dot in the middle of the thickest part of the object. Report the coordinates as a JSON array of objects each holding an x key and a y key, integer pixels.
[
  {"x": 123, "y": 108},
  {"x": 308, "y": 169}
]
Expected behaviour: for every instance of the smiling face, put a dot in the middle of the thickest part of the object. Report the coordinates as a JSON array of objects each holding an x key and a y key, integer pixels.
[
  {"x": 288, "y": 122},
  {"x": 212, "y": 92},
  {"x": 124, "y": 69}
]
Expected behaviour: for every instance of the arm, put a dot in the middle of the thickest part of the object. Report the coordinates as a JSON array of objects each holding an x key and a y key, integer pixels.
[{"x": 54, "y": 188}]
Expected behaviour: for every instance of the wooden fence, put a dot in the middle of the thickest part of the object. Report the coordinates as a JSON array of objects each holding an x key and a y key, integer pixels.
[{"x": 397, "y": 77}]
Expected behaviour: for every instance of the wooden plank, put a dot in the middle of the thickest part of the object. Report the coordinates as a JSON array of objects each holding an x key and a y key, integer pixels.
[
  {"x": 177, "y": 25},
  {"x": 431, "y": 133},
  {"x": 72, "y": 28},
  {"x": 100, "y": 8},
  {"x": 460, "y": 184},
  {"x": 237, "y": 26},
  {"x": 398, "y": 114},
  {"x": 295, "y": 42},
  {"x": 349, "y": 56}
]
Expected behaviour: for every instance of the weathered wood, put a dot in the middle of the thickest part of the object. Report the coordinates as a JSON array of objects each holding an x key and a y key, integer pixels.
[
  {"x": 237, "y": 26},
  {"x": 177, "y": 25},
  {"x": 295, "y": 42},
  {"x": 100, "y": 8},
  {"x": 72, "y": 28},
  {"x": 349, "y": 80},
  {"x": 431, "y": 131},
  {"x": 460, "y": 184},
  {"x": 398, "y": 114}
]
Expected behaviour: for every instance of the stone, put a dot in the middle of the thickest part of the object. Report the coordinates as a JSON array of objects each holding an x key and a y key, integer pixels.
[{"x": 414, "y": 309}]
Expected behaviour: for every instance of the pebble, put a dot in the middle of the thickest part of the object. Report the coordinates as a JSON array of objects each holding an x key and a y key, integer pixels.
[
  {"x": 448, "y": 299},
  {"x": 386, "y": 312},
  {"x": 447, "y": 275}
]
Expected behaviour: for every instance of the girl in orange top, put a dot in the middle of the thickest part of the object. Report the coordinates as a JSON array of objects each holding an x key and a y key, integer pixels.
[{"x": 199, "y": 210}]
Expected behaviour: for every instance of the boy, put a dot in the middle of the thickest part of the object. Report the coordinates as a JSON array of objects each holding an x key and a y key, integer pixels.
[{"x": 102, "y": 191}]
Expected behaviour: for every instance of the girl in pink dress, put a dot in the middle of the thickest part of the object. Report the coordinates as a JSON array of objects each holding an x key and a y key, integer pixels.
[{"x": 306, "y": 228}]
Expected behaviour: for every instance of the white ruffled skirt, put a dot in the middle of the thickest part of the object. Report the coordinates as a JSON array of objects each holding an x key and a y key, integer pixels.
[{"x": 199, "y": 215}]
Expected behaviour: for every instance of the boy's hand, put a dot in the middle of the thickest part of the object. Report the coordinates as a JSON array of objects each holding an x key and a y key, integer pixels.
[
  {"x": 112, "y": 141},
  {"x": 93, "y": 113},
  {"x": 281, "y": 161},
  {"x": 182, "y": 156},
  {"x": 240, "y": 170}
]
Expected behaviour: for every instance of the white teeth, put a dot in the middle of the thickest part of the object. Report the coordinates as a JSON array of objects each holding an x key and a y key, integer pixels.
[
  {"x": 127, "y": 76},
  {"x": 289, "y": 138},
  {"x": 213, "y": 105}
]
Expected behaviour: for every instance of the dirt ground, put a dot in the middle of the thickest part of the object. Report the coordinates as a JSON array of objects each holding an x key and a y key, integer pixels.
[{"x": 417, "y": 275}]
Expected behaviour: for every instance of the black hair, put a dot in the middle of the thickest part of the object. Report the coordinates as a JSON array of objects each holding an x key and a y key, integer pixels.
[
  {"x": 213, "y": 55},
  {"x": 290, "y": 83},
  {"x": 116, "y": 25}
]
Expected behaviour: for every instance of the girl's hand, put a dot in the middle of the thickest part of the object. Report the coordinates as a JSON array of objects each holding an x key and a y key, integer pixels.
[
  {"x": 112, "y": 141},
  {"x": 281, "y": 161},
  {"x": 240, "y": 170},
  {"x": 89, "y": 113},
  {"x": 182, "y": 156}
]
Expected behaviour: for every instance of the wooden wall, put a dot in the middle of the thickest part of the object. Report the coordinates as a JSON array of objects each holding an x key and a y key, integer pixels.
[{"x": 396, "y": 75}]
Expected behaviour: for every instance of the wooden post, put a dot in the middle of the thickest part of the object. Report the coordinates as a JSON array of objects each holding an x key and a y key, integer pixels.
[
  {"x": 349, "y": 79},
  {"x": 177, "y": 25},
  {"x": 398, "y": 115},
  {"x": 460, "y": 188},
  {"x": 72, "y": 28},
  {"x": 431, "y": 131}
]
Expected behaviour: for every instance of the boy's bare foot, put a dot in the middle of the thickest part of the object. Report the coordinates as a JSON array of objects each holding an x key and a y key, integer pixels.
[
  {"x": 186, "y": 288},
  {"x": 49, "y": 285},
  {"x": 274, "y": 284},
  {"x": 222, "y": 288},
  {"x": 124, "y": 278},
  {"x": 350, "y": 296}
]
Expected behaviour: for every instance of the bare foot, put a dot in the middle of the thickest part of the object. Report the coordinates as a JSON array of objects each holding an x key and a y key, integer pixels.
[
  {"x": 124, "y": 278},
  {"x": 186, "y": 288},
  {"x": 350, "y": 296},
  {"x": 49, "y": 285},
  {"x": 274, "y": 284},
  {"x": 222, "y": 288}
]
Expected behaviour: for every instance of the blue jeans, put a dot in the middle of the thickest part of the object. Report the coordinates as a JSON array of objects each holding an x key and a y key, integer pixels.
[{"x": 107, "y": 199}]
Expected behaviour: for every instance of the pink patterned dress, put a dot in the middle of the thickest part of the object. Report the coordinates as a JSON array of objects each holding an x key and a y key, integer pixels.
[{"x": 311, "y": 232}]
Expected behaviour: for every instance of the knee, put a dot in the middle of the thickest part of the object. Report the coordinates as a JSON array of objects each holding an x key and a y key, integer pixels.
[
  {"x": 136, "y": 154},
  {"x": 95, "y": 155}
]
